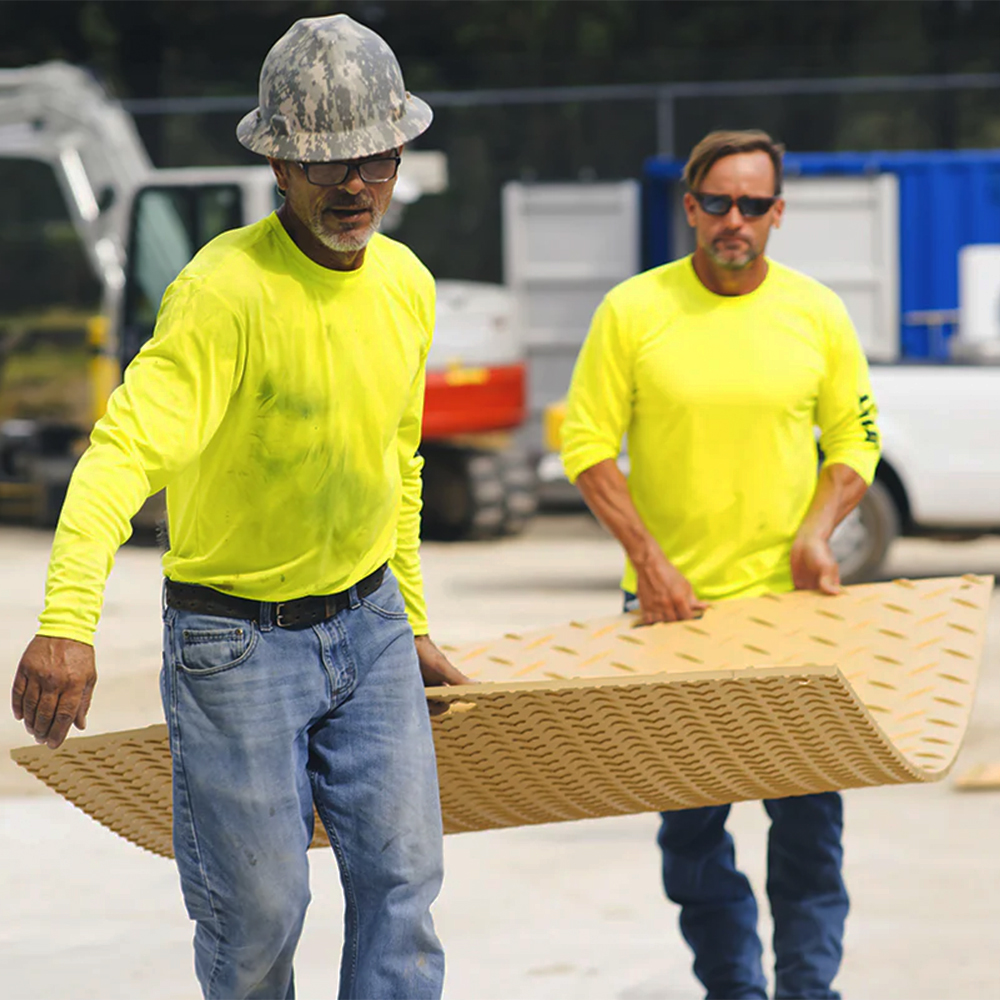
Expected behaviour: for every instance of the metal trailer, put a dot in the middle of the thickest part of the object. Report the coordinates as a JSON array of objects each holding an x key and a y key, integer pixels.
[{"x": 564, "y": 247}]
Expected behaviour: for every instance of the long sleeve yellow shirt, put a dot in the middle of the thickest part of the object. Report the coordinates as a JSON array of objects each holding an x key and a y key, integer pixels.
[
  {"x": 720, "y": 397},
  {"x": 280, "y": 403}
]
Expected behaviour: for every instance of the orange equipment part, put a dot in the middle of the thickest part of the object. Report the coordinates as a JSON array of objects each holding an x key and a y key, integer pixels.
[{"x": 474, "y": 400}]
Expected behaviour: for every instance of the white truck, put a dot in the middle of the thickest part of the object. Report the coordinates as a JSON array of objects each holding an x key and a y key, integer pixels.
[
  {"x": 567, "y": 244},
  {"x": 90, "y": 237}
]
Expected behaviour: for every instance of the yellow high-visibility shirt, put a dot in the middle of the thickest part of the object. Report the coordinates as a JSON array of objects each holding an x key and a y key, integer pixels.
[
  {"x": 720, "y": 397},
  {"x": 280, "y": 404}
]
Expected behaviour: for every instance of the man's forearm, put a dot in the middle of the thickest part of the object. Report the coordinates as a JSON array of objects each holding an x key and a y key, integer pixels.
[
  {"x": 606, "y": 492},
  {"x": 838, "y": 492}
]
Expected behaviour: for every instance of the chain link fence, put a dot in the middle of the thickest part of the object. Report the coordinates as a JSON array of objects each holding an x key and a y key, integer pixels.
[{"x": 606, "y": 133}]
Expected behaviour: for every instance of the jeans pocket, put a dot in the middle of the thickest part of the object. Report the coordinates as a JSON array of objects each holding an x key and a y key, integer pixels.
[
  {"x": 387, "y": 601},
  {"x": 205, "y": 651}
]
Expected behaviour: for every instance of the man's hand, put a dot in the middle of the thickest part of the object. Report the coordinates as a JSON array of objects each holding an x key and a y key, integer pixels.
[
  {"x": 665, "y": 594},
  {"x": 53, "y": 687},
  {"x": 813, "y": 565},
  {"x": 434, "y": 665}
]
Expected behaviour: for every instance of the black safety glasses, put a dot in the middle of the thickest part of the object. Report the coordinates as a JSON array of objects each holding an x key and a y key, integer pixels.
[
  {"x": 721, "y": 204},
  {"x": 377, "y": 170}
]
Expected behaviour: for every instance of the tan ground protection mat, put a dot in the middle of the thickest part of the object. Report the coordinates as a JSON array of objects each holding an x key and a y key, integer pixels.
[
  {"x": 980, "y": 778},
  {"x": 766, "y": 697}
]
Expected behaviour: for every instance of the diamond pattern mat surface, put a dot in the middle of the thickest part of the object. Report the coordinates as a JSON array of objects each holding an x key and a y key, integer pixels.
[{"x": 761, "y": 698}]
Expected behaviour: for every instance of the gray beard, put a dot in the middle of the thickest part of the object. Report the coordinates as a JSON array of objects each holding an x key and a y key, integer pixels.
[
  {"x": 731, "y": 264},
  {"x": 345, "y": 242}
]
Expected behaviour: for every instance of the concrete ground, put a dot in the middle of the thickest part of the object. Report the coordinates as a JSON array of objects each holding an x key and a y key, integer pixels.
[{"x": 561, "y": 911}]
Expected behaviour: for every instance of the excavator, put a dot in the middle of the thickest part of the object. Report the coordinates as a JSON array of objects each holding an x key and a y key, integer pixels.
[{"x": 91, "y": 234}]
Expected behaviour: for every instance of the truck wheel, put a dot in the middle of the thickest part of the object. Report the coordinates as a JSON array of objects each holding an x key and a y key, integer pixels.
[
  {"x": 862, "y": 540},
  {"x": 51, "y": 499},
  {"x": 472, "y": 494},
  {"x": 520, "y": 491}
]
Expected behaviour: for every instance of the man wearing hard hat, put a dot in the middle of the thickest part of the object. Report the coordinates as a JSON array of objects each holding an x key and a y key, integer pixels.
[{"x": 280, "y": 401}]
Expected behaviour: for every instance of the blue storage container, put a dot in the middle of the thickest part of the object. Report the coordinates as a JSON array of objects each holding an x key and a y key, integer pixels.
[{"x": 947, "y": 199}]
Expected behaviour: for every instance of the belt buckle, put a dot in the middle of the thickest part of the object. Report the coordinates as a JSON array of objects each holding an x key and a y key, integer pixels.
[{"x": 278, "y": 608}]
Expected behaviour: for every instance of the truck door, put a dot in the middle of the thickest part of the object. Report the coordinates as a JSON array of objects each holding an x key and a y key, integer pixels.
[
  {"x": 50, "y": 306},
  {"x": 169, "y": 225}
]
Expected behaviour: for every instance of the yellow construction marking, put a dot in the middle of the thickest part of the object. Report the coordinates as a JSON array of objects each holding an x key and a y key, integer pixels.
[
  {"x": 965, "y": 603},
  {"x": 688, "y": 656},
  {"x": 604, "y": 631},
  {"x": 528, "y": 669},
  {"x": 472, "y": 654},
  {"x": 632, "y": 639},
  {"x": 467, "y": 376},
  {"x": 539, "y": 642},
  {"x": 908, "y": 735}
]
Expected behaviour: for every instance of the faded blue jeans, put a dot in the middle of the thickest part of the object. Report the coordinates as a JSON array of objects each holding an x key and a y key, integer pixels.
[
  {"x": 265, "y": 721},
  {"x": 719, "y": 912}
]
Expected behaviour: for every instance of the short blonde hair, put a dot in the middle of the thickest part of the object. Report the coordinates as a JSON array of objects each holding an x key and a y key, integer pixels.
[{"x": 717, "y": 145}]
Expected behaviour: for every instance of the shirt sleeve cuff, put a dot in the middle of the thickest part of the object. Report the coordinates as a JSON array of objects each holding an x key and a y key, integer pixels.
[
  {"x": 864, "y": 463},
  {"x": 577, "y": 460}
]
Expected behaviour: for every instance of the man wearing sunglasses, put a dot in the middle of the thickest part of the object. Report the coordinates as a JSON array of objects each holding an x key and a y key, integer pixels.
[
  {"x": 719, "y": 367},
  {"x": 280, "y": 403}
]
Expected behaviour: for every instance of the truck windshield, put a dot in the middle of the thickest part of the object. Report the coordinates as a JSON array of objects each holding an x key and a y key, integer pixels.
[
  {"x": 169, "y": 226},
  {"x": 49, "y": 294}
]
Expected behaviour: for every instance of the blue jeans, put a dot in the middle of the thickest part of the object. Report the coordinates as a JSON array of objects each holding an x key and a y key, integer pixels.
[
  {"x": 719, "y": 912},
  {"x": 264, "y": 722}
]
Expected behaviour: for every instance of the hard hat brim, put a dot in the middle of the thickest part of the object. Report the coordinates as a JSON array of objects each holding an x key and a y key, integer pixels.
[{"x": 321, "y": 147}]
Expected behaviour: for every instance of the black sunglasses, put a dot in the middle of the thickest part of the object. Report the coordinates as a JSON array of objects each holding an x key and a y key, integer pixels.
[
  {"x": 377, "y": 170},
  {"x": 721, "y": 204}
]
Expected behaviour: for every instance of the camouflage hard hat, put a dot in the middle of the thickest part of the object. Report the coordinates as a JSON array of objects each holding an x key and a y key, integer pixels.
[{"x": 331, "y": 89}]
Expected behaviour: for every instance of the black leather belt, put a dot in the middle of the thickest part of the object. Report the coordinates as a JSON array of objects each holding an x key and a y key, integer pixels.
[{"x": 285, "y": 614}]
